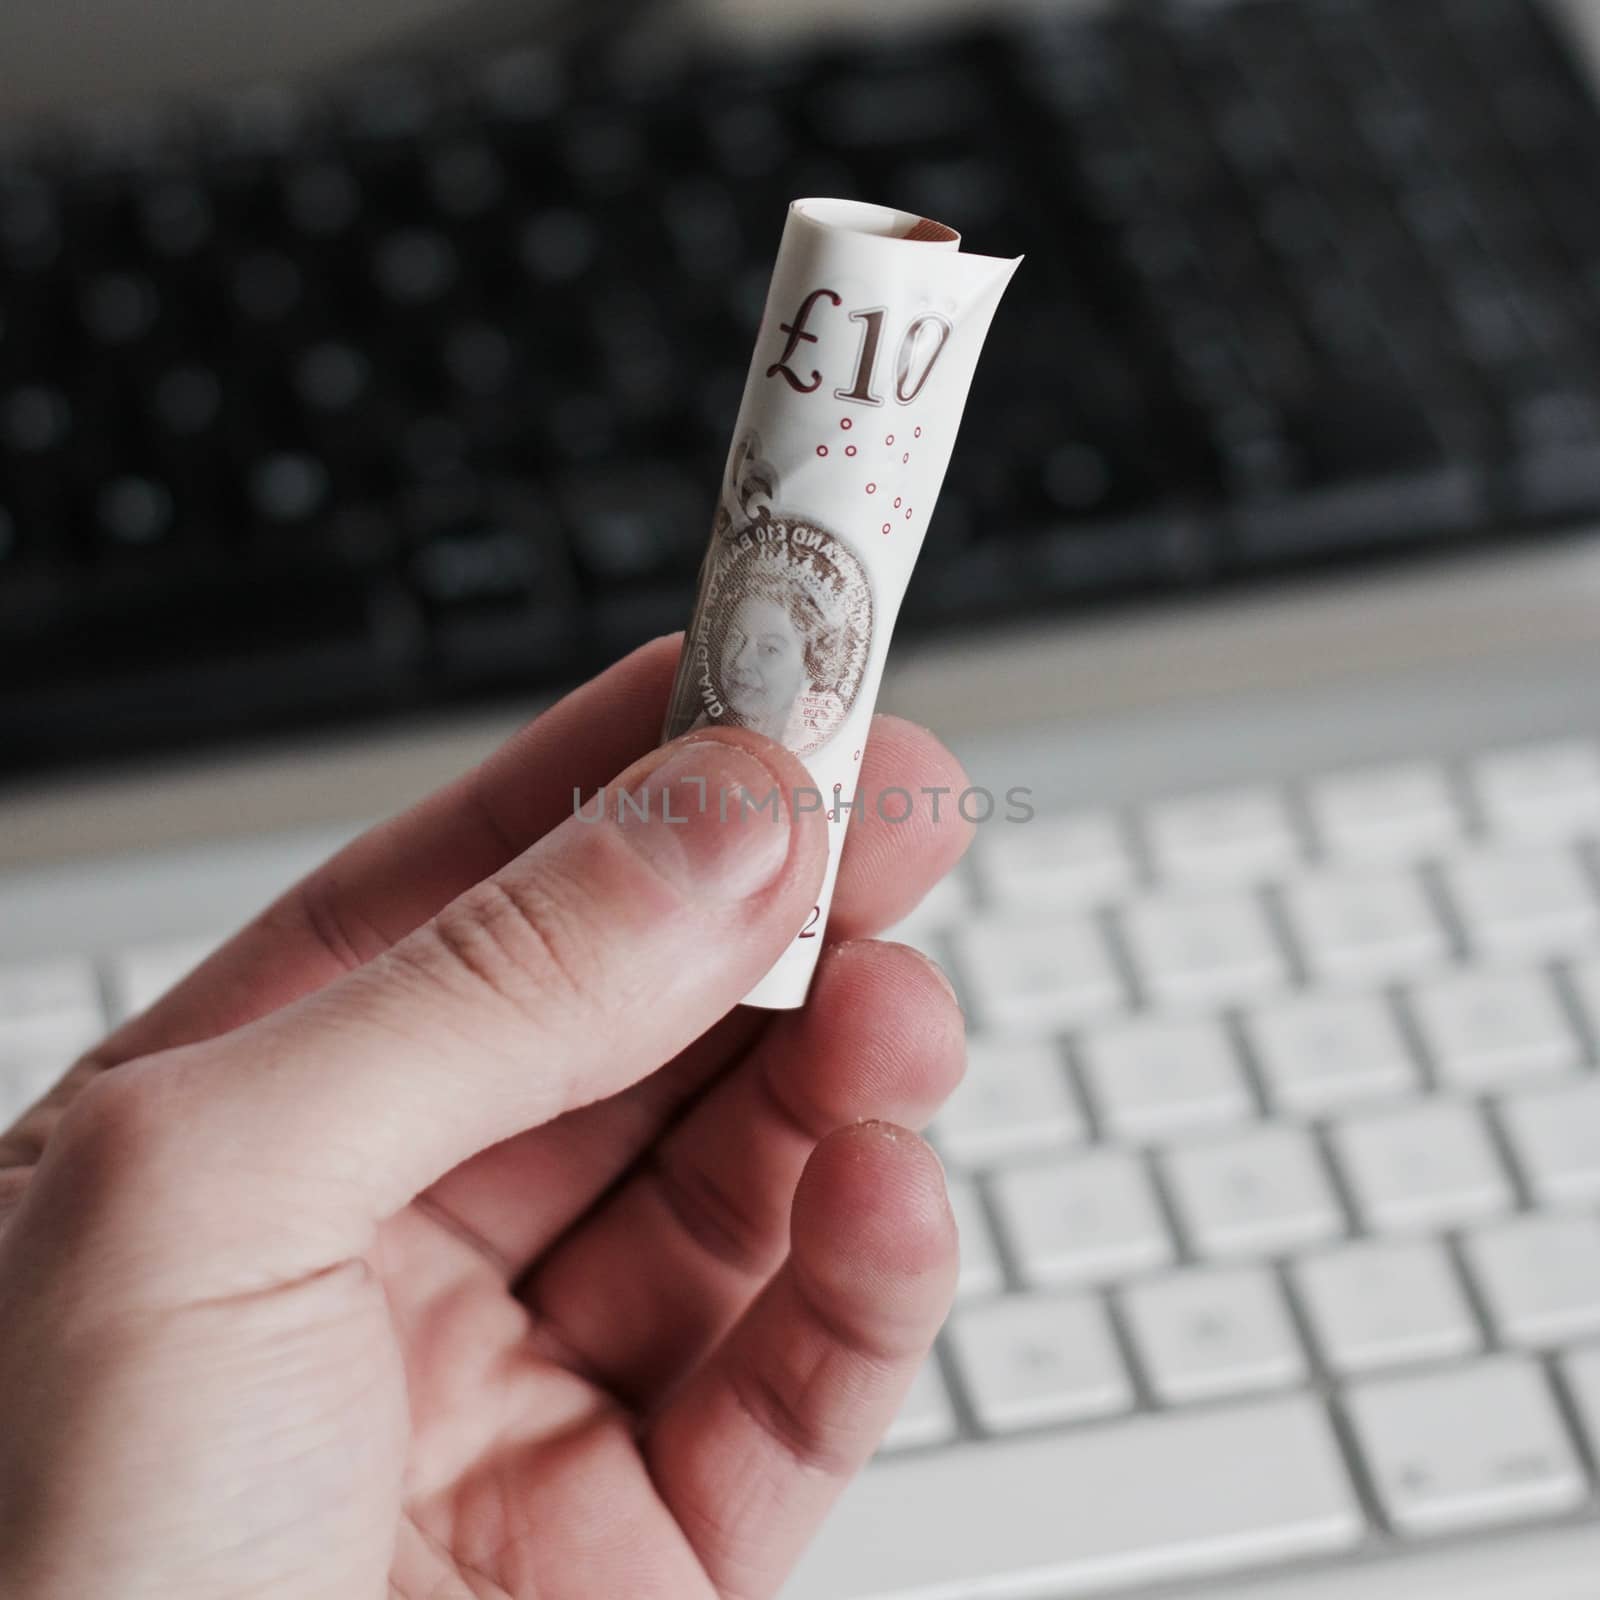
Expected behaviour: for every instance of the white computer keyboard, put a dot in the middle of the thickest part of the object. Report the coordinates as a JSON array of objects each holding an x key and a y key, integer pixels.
[
  {"x": 53, "y": 1009},
  {"x": 1277, "y": 1168}
]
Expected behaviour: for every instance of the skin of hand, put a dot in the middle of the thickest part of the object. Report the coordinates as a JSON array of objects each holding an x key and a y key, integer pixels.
[{"x": 452, "y": 1232}]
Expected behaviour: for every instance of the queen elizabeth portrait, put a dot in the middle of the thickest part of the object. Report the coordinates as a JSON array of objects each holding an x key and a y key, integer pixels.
[{"x": 782, "y": 628}]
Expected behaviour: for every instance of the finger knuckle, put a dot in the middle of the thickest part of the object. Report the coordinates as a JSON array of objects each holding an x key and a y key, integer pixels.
[
  {"x": 319, "y": 906},
  {"x": 775, "y": 1403},
  {"x": 716, "y": 1215},
  {"x": 24, "y": 1142},
  {"x": 525, "y": 940},
  {"x": 118, "y": 1127}
]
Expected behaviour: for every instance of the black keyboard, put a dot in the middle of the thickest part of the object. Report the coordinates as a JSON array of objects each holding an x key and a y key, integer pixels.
[{"x": 323, "y": 405}]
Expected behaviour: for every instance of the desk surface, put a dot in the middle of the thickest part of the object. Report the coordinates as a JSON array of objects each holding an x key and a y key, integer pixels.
[{"x": 1466, "y": 619}]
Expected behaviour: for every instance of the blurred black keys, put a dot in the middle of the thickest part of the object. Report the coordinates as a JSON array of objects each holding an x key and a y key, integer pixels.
[
  {"x": 429, "y": 375},
  {"x": 289, "y": 488},
  {"x": 36, "y": 433},
  {"x": 133, "y": 510},
  {"x": 637, "y": 535},
  {"x": 487, "y": 563}
]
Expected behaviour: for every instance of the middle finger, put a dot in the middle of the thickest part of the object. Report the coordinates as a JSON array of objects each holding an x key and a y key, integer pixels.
[{"x": 642, "y": 1289}]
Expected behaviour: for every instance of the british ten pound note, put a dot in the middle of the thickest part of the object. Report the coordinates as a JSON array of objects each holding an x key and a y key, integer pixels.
[{"x": 873, "y": 326}]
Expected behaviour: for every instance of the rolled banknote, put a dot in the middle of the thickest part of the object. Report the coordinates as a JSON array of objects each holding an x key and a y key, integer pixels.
[{"x": 873, "y": 326}]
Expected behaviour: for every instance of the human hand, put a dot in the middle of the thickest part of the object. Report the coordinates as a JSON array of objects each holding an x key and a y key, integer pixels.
[{"x": 451, "y": 1232}]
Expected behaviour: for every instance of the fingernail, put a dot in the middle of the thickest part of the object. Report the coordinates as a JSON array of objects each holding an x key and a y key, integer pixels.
[{"x": 706, "y": 819}]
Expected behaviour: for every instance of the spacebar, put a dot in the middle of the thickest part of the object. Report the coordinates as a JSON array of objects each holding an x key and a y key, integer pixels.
[{"x": 1157, "y": 1498}]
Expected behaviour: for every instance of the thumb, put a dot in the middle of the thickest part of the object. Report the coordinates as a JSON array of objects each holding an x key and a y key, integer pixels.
[{"x": 575, "y": 970}]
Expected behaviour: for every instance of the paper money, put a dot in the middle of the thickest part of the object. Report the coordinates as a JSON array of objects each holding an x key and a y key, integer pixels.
[{"x": 873, "y": 326}]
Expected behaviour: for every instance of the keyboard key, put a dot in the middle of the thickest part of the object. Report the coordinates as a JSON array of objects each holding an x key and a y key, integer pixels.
[
  {"x": 1322, "y": 1051},
  {"x": 464, "y": 177},
  {"x": 1369, "y": 927},
  {"x": 925, "y": 1415},
  {"x": 1228, "y": 836},
  {"x": 1015, "y": 1099},
  {"x": 289, "y": 487},
  {"x": 1204, "y": 951},
  {"x": 387, "y": 104},
  {"x": 927, "y": 925},
  {"x": 141, "y": 975},
  {"x": 487, "y": 569},
  {"x": 1468, "y": 1448},
  {"x": 1555, "y": 1138},
  {"x": 1581, "y": 1369},
  {"x": 1527, "y": 903},
  {"x": 1153, "y": 1076},
  {"x": 187, "y": 400},
  {"x": 1585, "y": 976},
  {"x": 321, "y": 198},
  {"x": 1382, "y": 814},
  {"x": 1039, "y": 974},
  {"x": 1258, "y": 1193},
  {"x": 1540, "y": 1277},
  {"x": 34, "y": 419},
  {"x": 1213, "y": 1332},
  {"x": 1421, "y": 1166},
  {"x": 522, "y": 85},
  {"x": 1036, "y": 1358},
  {"x": 1072, "y": 861},
  {"x": 268, "y": 288},
  {"x": 947, "y": 901},
  {"x": 1483, "y": 1029},
  {"x": 332, "y": 376},
  {"x": 1543, "y": 791},
  {"x": 1074, "y": 1514},
  {"x": 1089, "y": 1217},
  {"x": 49, "y": 1007},
  {"x": 980, "y": 1261},
  {"x": 478, "y": 356},
  {"x": 118, "y": 308},
  {"x": 557, "y": 245},
  {"x": 1385, "y": 1303},
  {"x": 414, "y": 265},
  {"x": 131, "y": 510},
  {"x": 26, "y": 1077}
]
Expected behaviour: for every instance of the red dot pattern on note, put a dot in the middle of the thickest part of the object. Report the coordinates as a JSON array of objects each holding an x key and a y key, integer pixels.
[{"x": 853, "y": 451}]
